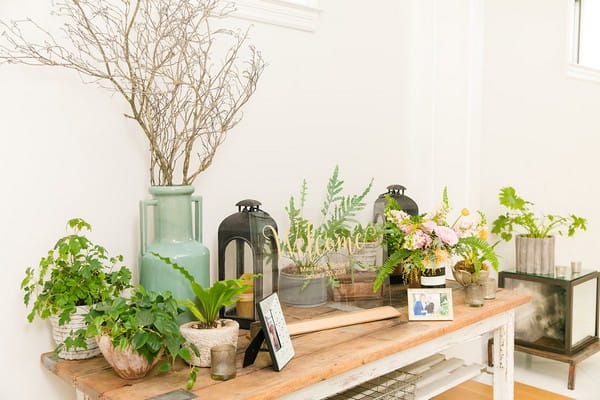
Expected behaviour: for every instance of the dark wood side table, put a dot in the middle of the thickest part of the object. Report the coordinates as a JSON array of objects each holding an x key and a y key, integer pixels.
[{"x": 561, "y": 322}]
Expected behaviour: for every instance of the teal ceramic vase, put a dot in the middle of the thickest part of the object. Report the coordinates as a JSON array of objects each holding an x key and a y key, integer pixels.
[{"x": 177, "y": 236}]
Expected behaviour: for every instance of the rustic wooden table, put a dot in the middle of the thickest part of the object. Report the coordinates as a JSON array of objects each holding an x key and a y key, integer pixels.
[{"x": 326, "y": 362}]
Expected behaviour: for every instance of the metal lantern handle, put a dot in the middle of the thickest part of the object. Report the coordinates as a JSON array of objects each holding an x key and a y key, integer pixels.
[
  {"x": 197, "y": 201},
  {"x": 144, "y": 204}
]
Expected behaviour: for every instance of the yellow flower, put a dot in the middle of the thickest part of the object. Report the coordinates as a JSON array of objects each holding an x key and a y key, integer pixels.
[
  {"x": 441, "y": 255},
  {"x": 483, "y": 234},
  {"x": 465, "y": 212}
]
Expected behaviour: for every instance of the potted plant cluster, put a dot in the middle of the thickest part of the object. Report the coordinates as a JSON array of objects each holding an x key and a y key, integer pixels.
[
  {"x": 534, "y": 247},
  {"x": 74, "y": 275},
  {"x": 309, "y": 246},
  {"x": 422, "y": 245},
  {"x": 209, "y": 330}
]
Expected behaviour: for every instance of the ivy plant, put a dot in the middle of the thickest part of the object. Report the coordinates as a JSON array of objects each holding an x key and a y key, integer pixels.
[
  {"x": 520, "y": 214},
  {"x": 211, "y": 300},
  {"x": 75, "y": 272},
  {"x": 145, "y": 322}
]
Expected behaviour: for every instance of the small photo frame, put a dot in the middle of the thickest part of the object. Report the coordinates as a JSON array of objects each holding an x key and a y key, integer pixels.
[
  {"x": 275, "y": 331},
  {"x": 430, "y": 304}
]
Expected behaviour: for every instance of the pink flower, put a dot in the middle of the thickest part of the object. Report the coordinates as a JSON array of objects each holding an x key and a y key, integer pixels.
[
  {"x": 405, "y": 228},
  {"x": 429, "y": 226},
  {"x": 446, "y": 235},
  {"x": 422, "y": 239}
]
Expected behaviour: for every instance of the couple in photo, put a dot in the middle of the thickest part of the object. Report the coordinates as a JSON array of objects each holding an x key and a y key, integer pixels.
[{"x": 423, "y": 306}]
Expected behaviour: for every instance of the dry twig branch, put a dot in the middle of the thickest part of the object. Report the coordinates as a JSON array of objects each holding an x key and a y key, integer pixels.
[{"x": 185, "y": 82}]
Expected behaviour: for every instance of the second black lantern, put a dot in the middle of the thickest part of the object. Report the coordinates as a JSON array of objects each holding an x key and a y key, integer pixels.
[{"x": 247, "y": 246}]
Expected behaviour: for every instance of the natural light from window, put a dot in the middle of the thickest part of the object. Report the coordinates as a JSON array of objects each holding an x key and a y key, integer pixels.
[{"x": 587, "y": 33}]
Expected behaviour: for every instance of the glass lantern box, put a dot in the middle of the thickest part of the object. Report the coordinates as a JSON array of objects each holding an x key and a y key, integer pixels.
[{"x": 562, "y": 316}]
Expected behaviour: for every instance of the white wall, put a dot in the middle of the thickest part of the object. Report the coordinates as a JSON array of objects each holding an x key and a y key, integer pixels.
[
  {"x": 541, "y": 128},
  {"x": 334, "y": 96}
]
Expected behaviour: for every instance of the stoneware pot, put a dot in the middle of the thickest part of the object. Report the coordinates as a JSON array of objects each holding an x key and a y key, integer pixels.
[
  {"x": 127, "y": 363},
  {"x": 534, "y": 255},
  {"x": 205, "y": 339},
  {"x": 301, "y": 291},
  {"x": 61, "y": 332}
]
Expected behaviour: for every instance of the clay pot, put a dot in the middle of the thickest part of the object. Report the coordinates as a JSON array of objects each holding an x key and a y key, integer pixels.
[
  {"x": 127, "y": 363},
  {"x": 205, "y": 339},
  {"x": 61, "y": 332}
]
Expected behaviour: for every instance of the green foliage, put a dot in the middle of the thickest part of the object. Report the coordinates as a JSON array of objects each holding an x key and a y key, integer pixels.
[
  {"x": 521, "y": 215},
  {"x": 210, "y": 301},
  {"x": 74, "y": 273},
  {"x": 146, "y": 322},
  {"x": 476, "y": 252},
  {"x": 369, "y": 233},
  {"x": 307, "y": 243}
]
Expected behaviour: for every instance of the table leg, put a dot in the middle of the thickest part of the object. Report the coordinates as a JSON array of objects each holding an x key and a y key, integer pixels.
[
  {"x": 571, "y": 384},
  {"x": 81, "y": 395},
  {"x": 504, "y": 345}
]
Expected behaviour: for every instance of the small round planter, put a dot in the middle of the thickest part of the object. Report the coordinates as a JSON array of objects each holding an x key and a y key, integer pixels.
[
  {"x": 534, "y": 255},
  {"x": 466, "y": 278},
  {"x": 205, "y": 339},
  {"x": 61, "y": 332},
  {"x": 302, "y": 291},
  {"x": 127, "y": 363}
]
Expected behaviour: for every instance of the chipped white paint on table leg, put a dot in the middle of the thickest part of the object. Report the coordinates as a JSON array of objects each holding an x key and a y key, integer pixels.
[{"x": 504, "y": 345}]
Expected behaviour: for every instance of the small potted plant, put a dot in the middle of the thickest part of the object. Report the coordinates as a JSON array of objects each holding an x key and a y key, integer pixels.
[
  {"x": 134, "y": 333},
  {"x": 420, "y": 245},
  {"x": 74, "y": 275},
  {"x": 308, "y": 246},
  {"x": 208, "y": 330},
  {"x": 355, "y": 280},
  {"x": 535, "y": 247}
]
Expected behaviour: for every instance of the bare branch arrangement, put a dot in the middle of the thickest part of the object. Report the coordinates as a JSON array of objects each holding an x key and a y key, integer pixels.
[{"x": 161, "y": 57}]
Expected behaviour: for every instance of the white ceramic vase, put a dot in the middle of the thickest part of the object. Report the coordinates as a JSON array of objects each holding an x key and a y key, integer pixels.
[{"x": 204, "y": 339}]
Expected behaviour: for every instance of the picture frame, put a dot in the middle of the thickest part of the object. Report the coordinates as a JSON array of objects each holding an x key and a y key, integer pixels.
[
  {"x": 430, "y": 304},
  {"x": 275, "y": 331}
]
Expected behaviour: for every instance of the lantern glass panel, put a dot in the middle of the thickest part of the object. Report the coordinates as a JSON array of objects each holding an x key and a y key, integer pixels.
[
  {"x": 541, "y": 321},
  {"x": 584, "y": 321},
  {"x": 268, "y": 267}
]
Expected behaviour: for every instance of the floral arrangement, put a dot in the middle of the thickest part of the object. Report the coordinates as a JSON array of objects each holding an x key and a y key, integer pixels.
[{"x": 418, "y": 242}]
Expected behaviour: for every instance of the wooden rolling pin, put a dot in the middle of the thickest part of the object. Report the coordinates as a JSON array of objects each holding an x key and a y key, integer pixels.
[{"x": 337, "y": 321}]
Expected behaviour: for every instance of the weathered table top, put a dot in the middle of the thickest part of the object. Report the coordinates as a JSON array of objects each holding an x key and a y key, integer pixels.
[{"x": 319, "y": 356}]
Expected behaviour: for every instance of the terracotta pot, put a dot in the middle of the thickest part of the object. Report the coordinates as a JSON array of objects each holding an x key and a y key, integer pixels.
[
  {"x": 61, "y": 332},
  {"x": 205, "y": 339},
  {"x": 357, "y": 286},
  {"x": 127, "y": 363}
]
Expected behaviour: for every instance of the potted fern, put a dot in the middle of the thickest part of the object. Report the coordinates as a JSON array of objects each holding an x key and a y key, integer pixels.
[
  {"x": 74, "y": 275},
  {"x": 308, "y": 247},
  {"x": 534, "y": 247},
  {"x": 208, "y": 330}
]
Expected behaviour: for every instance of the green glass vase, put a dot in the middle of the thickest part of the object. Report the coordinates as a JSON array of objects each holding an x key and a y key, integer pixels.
[{"x": 176, "y": 236}]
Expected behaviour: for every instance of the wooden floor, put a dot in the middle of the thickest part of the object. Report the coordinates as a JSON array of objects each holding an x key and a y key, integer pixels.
[{"x": 473, "y": 390}]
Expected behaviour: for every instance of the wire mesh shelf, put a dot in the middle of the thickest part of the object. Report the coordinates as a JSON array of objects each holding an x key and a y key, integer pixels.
[{"x": 393, "y": 386}]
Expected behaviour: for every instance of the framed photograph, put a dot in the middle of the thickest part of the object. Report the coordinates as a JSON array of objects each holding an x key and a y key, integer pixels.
[
  {"x": 275, "y": 331},
  {"x": 430, "y": 304}
]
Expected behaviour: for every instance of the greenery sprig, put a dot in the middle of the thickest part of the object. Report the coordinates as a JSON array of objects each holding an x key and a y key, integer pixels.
[
  {"x": 521, "y": 215},
  {"x": 75, "y": 272}
]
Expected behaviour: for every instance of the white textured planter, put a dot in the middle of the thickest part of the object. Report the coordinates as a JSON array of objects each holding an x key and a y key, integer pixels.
[
  {"x": 535, "y": 255},
  {"x": 205, "y": 339},
  {"x": 127, "y": 363},
  {"x": 60, "y": 333}
]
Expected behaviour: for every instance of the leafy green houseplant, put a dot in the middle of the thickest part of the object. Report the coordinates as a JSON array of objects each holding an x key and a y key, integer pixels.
[
  {"x": 309, "y": 246},
  {"x": 208, "y": 330},
  {"x": 74, "y": 275},
  {"x": 134, "y": 333},
  {"x": 535, "y": 245}
]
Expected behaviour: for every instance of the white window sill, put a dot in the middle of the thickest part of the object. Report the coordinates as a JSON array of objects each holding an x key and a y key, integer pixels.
[
  {"x": 584, "y": 73},
  {"x": 296, "y": 14}
]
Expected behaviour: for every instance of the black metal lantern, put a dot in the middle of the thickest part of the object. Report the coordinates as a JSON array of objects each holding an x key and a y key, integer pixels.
[
  {"x": 396, "y": 192},
  {"x": 247, "y": 245}
]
